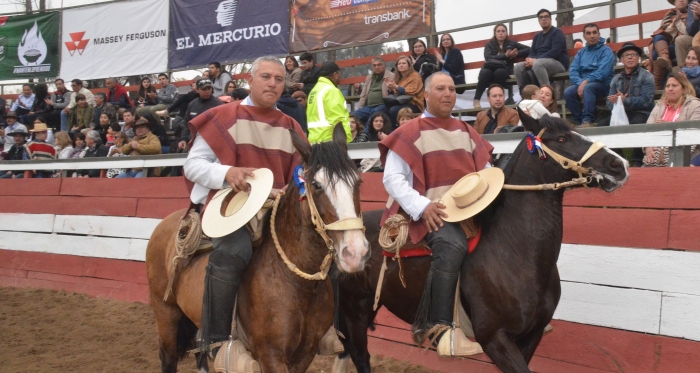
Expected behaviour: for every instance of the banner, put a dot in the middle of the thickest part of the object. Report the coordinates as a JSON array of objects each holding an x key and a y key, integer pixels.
[
  {"x": 29, "y": 46},
  {"x": 336, "y": 23},
  {"x": 114, "y": 40},
  {"x": 227, "y": 31}
]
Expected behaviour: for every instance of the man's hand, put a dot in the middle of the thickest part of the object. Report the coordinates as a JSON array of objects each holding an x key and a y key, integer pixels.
[
  {"x": 382, "y": 135},
  {"x": 581, "y": 87},
  {"x": 235, "y": 177},
  {"x": 433, "y": 215},
  {"x": 66, "y": 110},
  {"x": 49, "y": 102},
  {"x": 649, "y": 156},
  {"x": 152, "y": 95},
  {"x": 299, "y": 85},
  {"x": 529, "y": 61},
  {"x": 134, "y": 144},
  {"x": 2, "y": 132},
  {"x": 695, "y": 9},
  {"x": 182, "y": 145}
]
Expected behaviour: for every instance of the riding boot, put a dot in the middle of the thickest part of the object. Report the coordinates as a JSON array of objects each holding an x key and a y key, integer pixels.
[{"x": 662, "y": 65}]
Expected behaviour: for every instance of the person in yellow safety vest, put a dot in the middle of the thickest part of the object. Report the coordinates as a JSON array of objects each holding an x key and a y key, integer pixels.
[{"x": 325, "y": 106}]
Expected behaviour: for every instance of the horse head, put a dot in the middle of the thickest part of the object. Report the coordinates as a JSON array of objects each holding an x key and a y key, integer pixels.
[
  {"x": 333, "y": 182},
  {"x": 569, "y": 155}
]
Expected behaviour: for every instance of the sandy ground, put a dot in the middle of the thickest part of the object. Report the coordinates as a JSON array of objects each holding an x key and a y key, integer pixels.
[{"x": 49, "y": 331}]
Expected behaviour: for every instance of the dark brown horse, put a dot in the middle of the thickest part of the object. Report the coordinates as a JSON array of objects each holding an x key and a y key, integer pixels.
[
  {"x": 510, "y": 284},
  {"x": 284, "y": 316}
]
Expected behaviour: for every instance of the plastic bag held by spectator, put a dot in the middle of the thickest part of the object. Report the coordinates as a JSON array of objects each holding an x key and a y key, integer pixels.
[{"x": 619, "y": 117}]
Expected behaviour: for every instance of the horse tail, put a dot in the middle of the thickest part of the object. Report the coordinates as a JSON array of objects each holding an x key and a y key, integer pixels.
[{"x": 186, "y": 332}]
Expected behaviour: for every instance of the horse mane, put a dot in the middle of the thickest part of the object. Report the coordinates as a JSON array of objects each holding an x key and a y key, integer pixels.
[{"x": 338, "y": 166}]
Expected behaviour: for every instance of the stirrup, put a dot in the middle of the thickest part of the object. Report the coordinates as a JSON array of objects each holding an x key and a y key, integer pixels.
[
  {"x": 454, "y": 343},
  {"x": 330, "y": 344},
  {"x": 234, "y": 358}
]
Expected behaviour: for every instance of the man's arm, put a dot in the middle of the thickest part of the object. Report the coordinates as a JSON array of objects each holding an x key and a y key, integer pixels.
[
  {"x": 396, "y": 176},
  {"x": 89, "y": 97},
  {"x": 574, "y": 75},
  {"x": 202, "y": 167},
  {"x": 692, "y": 25},
  {"x": 336, "y": 111}
]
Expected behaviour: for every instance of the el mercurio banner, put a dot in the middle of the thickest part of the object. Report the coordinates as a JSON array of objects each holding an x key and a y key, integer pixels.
[
  {"x": 29, "y": 46},
  {"x": 317, "y": 24}
]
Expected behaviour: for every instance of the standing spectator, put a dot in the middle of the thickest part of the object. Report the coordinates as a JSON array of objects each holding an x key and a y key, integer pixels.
[
  {"x": 548, "y": 55},
  {"x": 80, "y": 114},
  {"x": 101, "y": 106},
  {"x": 288, "y": 105},
  {"x": 39, "y": 149},
  {"x": 24, "y": 102},
  {"x": 77, "y": 87},
  {"x": 16, "y": 152},
  {"x": 117, "y": 96},
  {"x": 406, "y": 82},
  {"x": 590, "y": 75},
  {"x": 95, "y": 149},
  {"x": 40, "y": 108},
  {"x": 691, "y": 70},
  {"x": 663, "y": 45},
  {"x": 420, "y": 56},
  {"x": 59, "y": 100},
  {"x": 499, "y": 56},
  {"x": 219, "y": 78},
  {"x": 300, "y": 96},
  {"x": 357, "y": 130},
  {"x": 13, "y": 126},
  {"x": 451, "y": 60},
  {"x": 168, "y": 92},
  {"x": 374, "y": 91},
  {"x": 79, "y": 146},
  {"x": 379, "y": 126},
  {"x": 144, "y": 143},
  {"x": 205, "y": 101},
  {"x": 498, "y": 116},
  {"x": 326, "y": 106},
  {"x": 309, "y": 73},
  {"x": 64, "y": 147},
  {"x": 292, "y": 73}
]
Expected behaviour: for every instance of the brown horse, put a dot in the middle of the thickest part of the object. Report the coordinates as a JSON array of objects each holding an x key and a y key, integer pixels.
[
  {"x": 284, "y": 316},
  {"x": 510, "y": 284}
]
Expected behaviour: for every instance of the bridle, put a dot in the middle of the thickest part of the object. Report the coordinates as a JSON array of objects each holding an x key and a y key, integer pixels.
[
  {"x": 585, "y": 175},
  {"x": 321, "y": 228}
]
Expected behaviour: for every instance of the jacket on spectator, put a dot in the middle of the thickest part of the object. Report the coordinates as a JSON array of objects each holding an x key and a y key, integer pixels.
[
  {"x": 492, "y": 53},
  {"x": 324, "y": 109},
  {"x": 423, "y": 58},
  {"x": 550, "y": 45},
  {"x": 97, "y": 112},
  {"x": 61, "y": 99},
  {"x": 98, "y": 151},
  {"x": 65, "y": 153},
  {"x": 16, "y": 153},
  {"x": 368, "y": 82},
  {"x": 181, "y": 104},
  {"x": 411, "y": 85},
  {"x": 689, "y": 112},
  {"x": 118, "y": 97},
  {"x": 454, "y": 64},
  {"x": 692, "y": 25},
  {"x": 640, "y": 91},
  {"x": 292, "y": 77},
  {"x": 80, "y": 117},
  {"x": 148, "y": 145},
  {"x": 145, "y": 99},
  {"x": 196, "y": 107},
  {"x": 504, "y": 117},
  {"x": 8, "y": 141},
  {"x": 219, "y": 84},
  {"x": 167, "y": 95},
  {"x": 673, "y": 24},
  {"x": 290, "y": 106},
  {"x": 161, "y": 133},
  {"x": 593, "y": 63},
  {"x": 310, "y": 78},
  {"x": 41, "y": 107},
  {"x": 27, "y": 101},
  {"x": 89, "y": 97}
]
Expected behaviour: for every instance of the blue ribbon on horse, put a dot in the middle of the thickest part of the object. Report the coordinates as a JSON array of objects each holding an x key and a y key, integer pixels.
[
  {"x": 300, "y": 181},
  {"x": 534, "y": 144}
]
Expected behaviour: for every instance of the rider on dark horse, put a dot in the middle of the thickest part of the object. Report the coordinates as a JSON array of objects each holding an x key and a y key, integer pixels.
[
  {"x": 229, "y": 143},
  {"x": 422, "y": 160}
]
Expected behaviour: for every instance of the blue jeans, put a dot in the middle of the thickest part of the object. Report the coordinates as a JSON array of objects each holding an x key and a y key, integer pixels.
[
  {"x": 165, "y": 149},
  {"x": 64, "y": 121},
  {"x": 131, "y": 173},
  {"x": 591, "y": 93},
  {"x": 9, "y": 176},
  {"x": 365, "y": 112}
]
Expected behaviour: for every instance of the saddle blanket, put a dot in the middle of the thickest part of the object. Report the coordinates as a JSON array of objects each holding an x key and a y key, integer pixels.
[{"x": 415, "y": 251}]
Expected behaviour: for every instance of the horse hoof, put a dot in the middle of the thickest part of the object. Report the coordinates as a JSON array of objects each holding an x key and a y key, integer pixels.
[{"x": 340, "y": 365}]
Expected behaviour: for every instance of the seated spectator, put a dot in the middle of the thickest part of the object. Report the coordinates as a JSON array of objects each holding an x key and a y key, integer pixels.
[
  {"x": 116, "y": 151},
  {"x": 374, "y": 90},
  {"x": 309, "y": 73},
  {"x": 423, "y": 62},
  {"x": 358, "y": 130},
  {"x": 158, "y": 129},
  {"x": 144, "y": 143},
  {"x": 300, "y": 96},
  {"x": 691, "y": 70},
  {"x": 64, "y": 146},
  {"x": 95, "y": 149},
  {"x": 49, "y": 136},
  {"x": 590, "y": 75},
  {"x": 147, "y": 95},
  {"x": 531, "y": 103},
  {"x": 406, "y": 82},
  {"x": 39, "y": 149},
  {"x": 578, "y": 43},
  {"x": 103, "y": 128},
  {"x": 180, "y": 107},
  {"x": 404, "y": 115},
  {"x": 292, "y": 73},
  {"x": 548, "y": 54},
  {"x": 58, "y": 101},
  {"x": 490, "y": 121},
  {"x": 101, "y": 106},
  {"x": 238, "y": 94},
  {"x": 548, "y": 98},
  {"x": 677, "y": 104},
  {"x": 379, "y": 126},
  {"x": 13, "y": 125},
  {"x": 499, "y": 56},
  {"x": 77, "y": 86},
  {"x": 669, "y": 41},
  {"x": 451, "y": 60},
  {"x": 167, "y": 95},
  {"x": 40, "y": 108},
  {"x": 230, "y": 87},
  {"x": 129, "y": 121},
  {"x": 79, "y": 146},
  {"x": 219, "y": 78},
  {"x": 17, "y": 151},
  {"x": 288, "y": 105},
  {"x": 24, "y": 102},
  {"x": 80, "y": 115},
  {"x": 117, "y": 96}
]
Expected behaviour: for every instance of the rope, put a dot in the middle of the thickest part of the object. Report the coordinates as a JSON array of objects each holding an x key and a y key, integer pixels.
[
  {"x": 400, "y": 223},
  {"x": 325, "y": 266},
  {"x": 187, "y": 238},
  {"x": 552, "y": 186}
]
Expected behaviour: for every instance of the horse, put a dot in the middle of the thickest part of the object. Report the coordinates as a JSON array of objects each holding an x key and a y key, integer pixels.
[
  {"x": 283, "y": 315},
  {"x": 509, "y": 286}
]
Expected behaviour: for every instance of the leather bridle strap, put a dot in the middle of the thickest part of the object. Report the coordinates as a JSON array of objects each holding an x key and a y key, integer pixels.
[{"x": 569, "y": 164}]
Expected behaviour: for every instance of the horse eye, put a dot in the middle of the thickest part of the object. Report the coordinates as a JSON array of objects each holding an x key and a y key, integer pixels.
[{"x": 316, "y": 184}]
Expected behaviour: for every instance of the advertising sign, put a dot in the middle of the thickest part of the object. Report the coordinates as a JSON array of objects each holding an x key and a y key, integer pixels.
[{"x": 29, "y": 46}]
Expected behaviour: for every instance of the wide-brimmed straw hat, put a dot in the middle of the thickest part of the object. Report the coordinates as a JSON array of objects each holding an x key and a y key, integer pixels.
[
  {"x": 472, "y": 193},
  {"x": 39, "y": 127},
  {"x": 228, "y": 211}
]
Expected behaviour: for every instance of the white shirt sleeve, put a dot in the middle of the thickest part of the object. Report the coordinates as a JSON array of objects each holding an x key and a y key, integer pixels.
[
  {"x": 398, "y": 182},
  {"x": 202, "y": 167}
]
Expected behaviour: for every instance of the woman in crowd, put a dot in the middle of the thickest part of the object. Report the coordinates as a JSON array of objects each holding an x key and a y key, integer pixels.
[
  {"x": 40, "y": 108},
  {"x": 451, "y": 60},
  {"x": 116, "y": 151},
  {"x": 64, "y": 147},
  {"x": 80, "y": 115},
  {"x": 379, "y": 126},
  {"x": 230, "y": 86},
  {"x": 78, "y": 146},
  {"x": 293, "y": 73},
  {"x": 677, "y": 104},
  {"x": 406, "y": 82},
  {"x": 499, "y": 56},
  {"x": 404, "y": 116},
  {"x": 663, "y": 48},
  {"x": 147, "y": 94},
  {"x": 549, "y": 100},
  {"x": 95, "y": 149},
  {"x": 419, "y": 55},
  {"x": 691, "y": 70},
  {"x": 358, "y": 130}
]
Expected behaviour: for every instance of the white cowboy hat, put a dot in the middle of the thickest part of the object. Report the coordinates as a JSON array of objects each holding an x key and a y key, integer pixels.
[
  {"x": 472, "y": 193},
  {"x": 228, "y": 211}
]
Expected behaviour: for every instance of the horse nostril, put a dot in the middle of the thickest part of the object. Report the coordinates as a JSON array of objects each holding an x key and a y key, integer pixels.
[
  {"x": 616, "y": 163},
  {"x": 346, "y": 253}
]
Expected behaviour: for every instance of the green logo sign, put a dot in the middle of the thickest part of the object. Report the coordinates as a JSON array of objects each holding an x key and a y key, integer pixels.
[{"x": 29, "y": 46}]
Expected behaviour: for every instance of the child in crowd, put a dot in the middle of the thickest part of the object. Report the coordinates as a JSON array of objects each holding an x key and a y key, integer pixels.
[
  {"x": 531, "y": 103},
  {"x": 404, "y": 115},
  {"x": 113, "y": 130}
]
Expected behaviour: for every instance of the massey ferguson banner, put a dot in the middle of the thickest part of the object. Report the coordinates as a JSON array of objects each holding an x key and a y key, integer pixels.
[
  {"x": 336, "y": 23},
  {"x": 226, "y": 31},
  {"x": 29, "y": 46},
  {"x": 117, "y": 39}
]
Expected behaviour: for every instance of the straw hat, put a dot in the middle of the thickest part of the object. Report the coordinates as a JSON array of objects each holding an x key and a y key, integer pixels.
[
  {"x": 39, "y": 127},
  {"x": 472, "y": 193},
  {"x": 228, "y": 211}
]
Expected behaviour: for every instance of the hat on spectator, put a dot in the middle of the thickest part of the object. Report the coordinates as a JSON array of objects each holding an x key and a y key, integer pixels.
[
  {"x": 20, "y": 130},
  {"x": 629, "y": 46},
  {"x": 228, "y": 211},
  {"x": 141, "y": 122},
  {"x": 39, "y": 127},
  {"x": 472, "y": 193},
  {"x": 203, "y": 83},
  {"x": 328, "y": 68},
  {"x": 11, "y": 114}
]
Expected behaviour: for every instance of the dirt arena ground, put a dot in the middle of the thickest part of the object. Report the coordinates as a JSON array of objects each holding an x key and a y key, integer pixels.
[{"x": 49, "y": 331}]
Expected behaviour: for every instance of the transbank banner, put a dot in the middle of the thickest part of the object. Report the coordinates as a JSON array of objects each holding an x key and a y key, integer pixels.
[
  {"x": 112, "y": 40},
  {"x": 226, "y": 31},
  {"x": 29, "y": 46},
  {"x": 336, "y": 23}
]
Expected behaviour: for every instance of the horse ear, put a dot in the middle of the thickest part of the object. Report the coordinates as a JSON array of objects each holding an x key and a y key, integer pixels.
[
  {"x": 339, "y": 136},
  {"x": 531, "y": 124},
  {"x": 301, "y": 146}
]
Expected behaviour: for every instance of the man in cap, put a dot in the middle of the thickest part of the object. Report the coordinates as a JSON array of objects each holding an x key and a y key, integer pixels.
[
  {"x": 205, "y": 101},
  {"x": 435, "y": 141},
  {"x": 12, "y": 120},
  {"x": 39, "y": 149},
  {"x": 229, "y": 143},
  {"x": 326, "y": 106},
  {"x": 16, "y": 152}
]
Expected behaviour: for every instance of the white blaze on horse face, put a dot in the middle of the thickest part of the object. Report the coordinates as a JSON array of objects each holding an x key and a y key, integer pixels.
[
  {"x": 352, "y": 248},
  {"x": 606, "y": 181}
]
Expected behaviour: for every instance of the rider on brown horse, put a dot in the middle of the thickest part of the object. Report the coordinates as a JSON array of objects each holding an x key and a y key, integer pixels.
[
  {"x": 423, "y": 159},
  {"x": 229, "y": 142}
]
